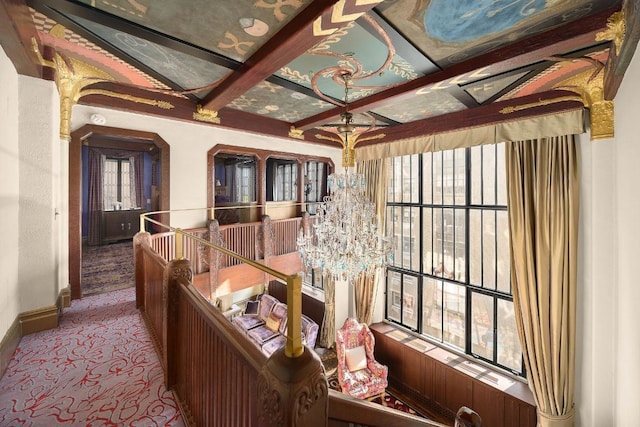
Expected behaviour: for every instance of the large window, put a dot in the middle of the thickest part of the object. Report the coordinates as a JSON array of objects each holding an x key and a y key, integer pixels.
[
  {"x": 450, "y": 278},
  {"x": 118, "y": 190},
  {"x": 282, "y": 180}
]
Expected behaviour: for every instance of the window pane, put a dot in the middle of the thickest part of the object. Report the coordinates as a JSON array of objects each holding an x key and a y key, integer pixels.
[
  {"x": 501, "y": 175},
  {"x": 396, "y": 217},
  {"x": 482, "y": 325},
  {"x": 489, "y": 249},
  {"x": 475, "y": 247},
  {"x": 460, "y": 176},
  {"x": 476, "y": 175},
  {"x": 110, "y": 184},
  {"x": 438, "y": 237},
  {"x": 432, "y": 308},
  {"x": 509, "y": 349},
  {"x": 394, "y": 296},
  {"x": 427, "y": 240},
  {"x": 447, "y": 177},
  {"x": 454, "y": 315},
  {"x": 410, "y": 302},
  {"x": 407, "y": 237},
  {"x": 125, "y": 184},
  {"x": 415, "y": 239},
  {"x": 415, "y": 187},
  {"x": 437, "y": 178},
  {"x": 503, "y": 257},
  {"x": 460, "y": 249},
  {"x": 488, "y": 175},
  {"x": 448, "y": 243},
  {"x": 427, "y": 188}
]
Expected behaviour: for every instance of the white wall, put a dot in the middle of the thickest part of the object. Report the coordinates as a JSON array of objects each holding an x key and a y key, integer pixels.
[
  {"x": 39, "y": 184},
  {"x": 189, "y": 144},
  {"x": 9, "y": 194},
  {"x": 608, "y": 342}
]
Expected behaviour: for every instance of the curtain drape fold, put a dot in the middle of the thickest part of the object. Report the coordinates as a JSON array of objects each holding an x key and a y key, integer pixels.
[
  {"x": 365, "y": 288},
  {"x": 327, "y": 336},
  {"x": 543, "y": 200}
]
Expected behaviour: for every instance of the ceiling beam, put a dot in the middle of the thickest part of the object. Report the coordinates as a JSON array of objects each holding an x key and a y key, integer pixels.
[
  {"x": 15, "y": 37},
  {"x": 541, "y": 103},
  {"x": 318, "y": 20},
  {"x": 567, "y": 38}
]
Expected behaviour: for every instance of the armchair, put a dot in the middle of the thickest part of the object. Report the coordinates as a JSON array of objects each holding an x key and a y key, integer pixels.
[{"x": 359, "y": 374}]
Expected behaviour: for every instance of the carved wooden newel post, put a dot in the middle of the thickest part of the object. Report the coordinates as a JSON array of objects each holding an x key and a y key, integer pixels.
[
  {"x": 292, "y": 387},
  {"x": 176, "y": 272},
  {"x": 140, "y": 240}
]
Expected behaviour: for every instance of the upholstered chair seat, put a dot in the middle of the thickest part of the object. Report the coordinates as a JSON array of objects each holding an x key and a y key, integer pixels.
[{"x": 359, "y": 374}]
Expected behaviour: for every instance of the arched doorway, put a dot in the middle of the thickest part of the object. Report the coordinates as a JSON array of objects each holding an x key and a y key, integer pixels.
[{"x": 115, "y": 137}]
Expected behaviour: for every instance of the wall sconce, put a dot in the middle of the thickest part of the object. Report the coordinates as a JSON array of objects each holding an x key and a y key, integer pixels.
[{"x": 218, "y": 183}]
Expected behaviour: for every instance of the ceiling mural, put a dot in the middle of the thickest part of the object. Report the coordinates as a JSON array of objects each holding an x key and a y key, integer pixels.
[
  {"x": 281, "y": 65},
  {"x": 235, "y": 29}
]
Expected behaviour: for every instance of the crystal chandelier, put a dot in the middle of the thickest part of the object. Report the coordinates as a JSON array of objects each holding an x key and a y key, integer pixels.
[{"x": 345, "y": 240}]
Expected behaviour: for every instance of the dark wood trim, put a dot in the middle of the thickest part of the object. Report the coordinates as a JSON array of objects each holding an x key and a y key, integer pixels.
[
  {"x": 567, "y": 38},
  {"x": 15, "y": 37},
  {"x": 483, "y": 115},
  {"x": 292, "y": 40},
  {"x": 619, "y": 61},
  {"x": 261, "y": 162},
  {"x": 78, "y": 137}
]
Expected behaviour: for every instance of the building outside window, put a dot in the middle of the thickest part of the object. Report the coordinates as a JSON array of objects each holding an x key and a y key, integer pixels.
[{"x": 450, "y": 276}]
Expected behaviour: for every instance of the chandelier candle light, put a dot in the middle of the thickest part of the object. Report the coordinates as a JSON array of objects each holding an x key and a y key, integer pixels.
[{"x": 345, "y": 240}]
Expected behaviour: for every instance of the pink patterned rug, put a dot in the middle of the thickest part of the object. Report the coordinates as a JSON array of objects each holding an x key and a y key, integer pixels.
[{"x": 98, "y": 368}]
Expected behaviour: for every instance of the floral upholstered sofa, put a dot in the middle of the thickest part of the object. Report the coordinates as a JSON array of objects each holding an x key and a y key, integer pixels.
[{"x": 265, "y": 324}]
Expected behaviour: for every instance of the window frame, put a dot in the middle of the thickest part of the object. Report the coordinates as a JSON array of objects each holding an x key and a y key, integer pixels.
[{"x": 395, "y": 208}]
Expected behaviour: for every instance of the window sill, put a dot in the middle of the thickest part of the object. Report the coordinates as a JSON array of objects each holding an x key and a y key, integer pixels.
[{"x": 494, "y": 378}]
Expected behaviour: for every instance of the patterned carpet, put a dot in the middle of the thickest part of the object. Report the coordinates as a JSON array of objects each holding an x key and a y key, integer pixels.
[
  {"x": 107, "y": 268},
  {"x": 98, "y": 368}
]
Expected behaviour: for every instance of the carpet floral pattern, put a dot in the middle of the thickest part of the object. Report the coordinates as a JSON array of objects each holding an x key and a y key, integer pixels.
[{"x": 98, "y": 368}]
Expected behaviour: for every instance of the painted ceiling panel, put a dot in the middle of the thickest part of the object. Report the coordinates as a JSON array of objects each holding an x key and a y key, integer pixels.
[
  {"x": 450, "y": 32},
  {"x": 185, "y": 70},
  {"x": 485, "y": 89},
  {"x": 433, "y": 103},
  {"x": 235, "y": 29},
  {"x": 271, "y": 100},
  {"x": 357, "y": 50}
]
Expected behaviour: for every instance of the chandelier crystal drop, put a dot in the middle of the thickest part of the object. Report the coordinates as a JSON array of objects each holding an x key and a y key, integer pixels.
[{"x": 345, "y": 240}]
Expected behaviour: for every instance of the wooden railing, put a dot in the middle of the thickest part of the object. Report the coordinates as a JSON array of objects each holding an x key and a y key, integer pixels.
[
  {"x": 241, "y": 239},
  {"x": 217, "y": 376},
  {"x": 285, "y": 232}
]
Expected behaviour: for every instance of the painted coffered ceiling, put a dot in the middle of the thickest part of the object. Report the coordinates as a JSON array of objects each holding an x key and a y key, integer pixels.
[{"x": 273, "y": 66}]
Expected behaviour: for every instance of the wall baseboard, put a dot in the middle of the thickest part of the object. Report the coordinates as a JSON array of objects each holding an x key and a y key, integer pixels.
[
  {"x": 38, "y": 320},
  {"x": 30, "y": 322},
  {"x": 9, "y": 344}
]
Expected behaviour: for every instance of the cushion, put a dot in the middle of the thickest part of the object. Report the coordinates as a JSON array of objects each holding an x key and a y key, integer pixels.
[
  {"x": 273, "y": 322},
  {"x": 356, "y": 358},
  {"x": 251, "y": 308}
]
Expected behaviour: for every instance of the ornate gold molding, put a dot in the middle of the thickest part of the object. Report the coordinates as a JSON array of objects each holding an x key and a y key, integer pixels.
[
  {"x": 540, "y": 103},
  {"x": 590, "y": 86},
  {"x": 616, "y": 29},
  {"x": 296, "y": 133},
  {"x": 349, "y": 145},
  {"x": 160, "y": 104},
  {"x": 205, "y": 115}
]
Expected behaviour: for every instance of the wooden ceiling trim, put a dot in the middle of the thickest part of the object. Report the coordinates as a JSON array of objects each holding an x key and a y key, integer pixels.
[
  {"x": 291, "y": 41},
  {"x": 484, "y": 115},
  {"x": 15, "y": 37},
  {"x": 567, "y": 38}
]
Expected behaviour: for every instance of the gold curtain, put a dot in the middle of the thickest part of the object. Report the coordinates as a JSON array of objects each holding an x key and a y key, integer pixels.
[
  {"x": 327, "y": 336},
  {"x": 543, "y": 197},
  {"x": 365, "y": 288}
]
